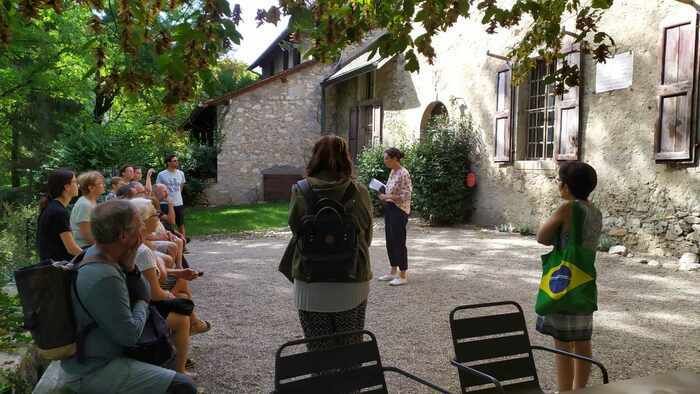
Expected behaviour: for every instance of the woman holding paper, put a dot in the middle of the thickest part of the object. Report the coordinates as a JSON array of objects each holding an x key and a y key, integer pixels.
[{"x": 397, "y": 199}]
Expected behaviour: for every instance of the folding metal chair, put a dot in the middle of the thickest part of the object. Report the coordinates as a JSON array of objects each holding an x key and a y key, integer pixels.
[
  {"x": 343, "y": 368},
  {"x": 493, "y": 353}
]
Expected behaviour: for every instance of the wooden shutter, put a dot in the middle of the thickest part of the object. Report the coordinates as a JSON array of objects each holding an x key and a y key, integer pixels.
[
  {"x": 297, "y": 56},
  {"x": 502, "y": 120},
  {"x": 674, "y": 139},
  {"x": 377, "y": 118},
  {"x": 285, "y": 59},
  {"x": 352, "y": 132},
  {"x": 567, "y": 110}
]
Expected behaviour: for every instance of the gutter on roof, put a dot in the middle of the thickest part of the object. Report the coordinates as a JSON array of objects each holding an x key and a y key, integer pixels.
[{"x": 349, "y": 75}]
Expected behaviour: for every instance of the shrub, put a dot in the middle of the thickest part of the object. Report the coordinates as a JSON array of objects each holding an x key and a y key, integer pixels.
[
  {"x": 17, "y": 238},
  {"x": 199, "y": 164},
  {"x": 370, "y": 164},
  {"x": 438, "y": 165}
]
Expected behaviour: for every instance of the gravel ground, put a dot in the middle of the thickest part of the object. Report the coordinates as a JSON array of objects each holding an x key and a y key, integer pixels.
[{"x": 648, "y": 321}]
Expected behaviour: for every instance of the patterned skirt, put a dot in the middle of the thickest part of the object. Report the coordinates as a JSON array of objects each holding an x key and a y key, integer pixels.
[{"x": 566, "y": 327}]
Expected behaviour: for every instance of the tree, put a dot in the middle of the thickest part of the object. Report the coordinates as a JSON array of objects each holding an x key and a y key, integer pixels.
[
  {"x": 138, "y": 44},
  {"x": 334, "y": 24}
]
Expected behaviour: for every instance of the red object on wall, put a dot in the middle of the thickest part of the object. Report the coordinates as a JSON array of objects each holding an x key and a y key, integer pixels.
[{"x": 470, "y": 180}]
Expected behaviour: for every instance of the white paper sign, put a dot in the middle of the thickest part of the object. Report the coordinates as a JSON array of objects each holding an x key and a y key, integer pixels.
[{"x": 615, "y": 73}]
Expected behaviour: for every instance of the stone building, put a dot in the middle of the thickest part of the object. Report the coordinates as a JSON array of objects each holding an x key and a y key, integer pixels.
[{"x": 635, "y": 120}]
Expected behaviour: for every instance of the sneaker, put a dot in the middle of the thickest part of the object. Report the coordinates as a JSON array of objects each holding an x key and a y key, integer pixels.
[
  {"x": 398, "y": 282},
  {"x": 386, "y": 278}
]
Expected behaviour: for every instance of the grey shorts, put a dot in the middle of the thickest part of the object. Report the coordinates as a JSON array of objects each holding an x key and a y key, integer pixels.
[{"x": 566, "y": 327}]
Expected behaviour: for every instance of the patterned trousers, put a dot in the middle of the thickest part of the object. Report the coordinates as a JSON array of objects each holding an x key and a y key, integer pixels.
[{"x": 317, "y": 324}]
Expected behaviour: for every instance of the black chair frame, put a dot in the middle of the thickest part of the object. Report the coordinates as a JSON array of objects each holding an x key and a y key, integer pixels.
[
  {"x": 493, "y": 380},
  {"x": 366, "y": 351}
]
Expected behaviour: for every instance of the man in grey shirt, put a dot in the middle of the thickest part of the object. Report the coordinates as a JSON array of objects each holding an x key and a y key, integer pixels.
[
  {"x": 174, "y": 180},
  {"x": 102, "y": 287}
]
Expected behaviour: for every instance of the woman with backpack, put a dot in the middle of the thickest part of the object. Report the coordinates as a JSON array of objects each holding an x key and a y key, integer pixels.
[
  {"x": 330, "y": 271},
  {"x": 572, "y": 327},
  {"x": 53, "y": 234}
]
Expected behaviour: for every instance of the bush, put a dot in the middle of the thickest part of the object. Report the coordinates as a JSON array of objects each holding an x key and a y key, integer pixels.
[
  {"x": 370, "y": 164},
  {"x": 17, "y": 238},
  {"x": 438, "y": 165},
  {"x": 199, "y": 165},
  {"x": 103, "y": 148}
]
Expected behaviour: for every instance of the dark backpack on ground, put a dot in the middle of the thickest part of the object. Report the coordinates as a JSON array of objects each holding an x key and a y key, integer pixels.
[{"x": 327, "y": 236}]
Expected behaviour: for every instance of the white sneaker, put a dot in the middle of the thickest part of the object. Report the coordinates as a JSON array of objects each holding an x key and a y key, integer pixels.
[
  {"x": 398, "y": 282},
  {"x": 386, "y": 278}
]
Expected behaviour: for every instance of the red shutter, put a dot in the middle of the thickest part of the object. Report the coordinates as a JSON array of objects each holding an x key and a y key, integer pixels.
[
  {"x": 674, "y": 139},
  {"x": 502, "y": 120},
  {"x": 567, "y": 110},
  {"x": 352, "y": 132}
]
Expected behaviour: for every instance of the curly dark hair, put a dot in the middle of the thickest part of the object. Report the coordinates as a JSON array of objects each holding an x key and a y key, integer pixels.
[{"x": 580, "y": 177}]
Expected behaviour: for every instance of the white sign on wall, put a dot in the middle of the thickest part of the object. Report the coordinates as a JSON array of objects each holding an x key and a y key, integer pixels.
[{"x": 615, "y": 73}]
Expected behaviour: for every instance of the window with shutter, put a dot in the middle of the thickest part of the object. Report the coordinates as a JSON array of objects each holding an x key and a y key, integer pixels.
[
  {"x": 567, "y": 111},
  {"x": 674, "y": 140},
  {"x": 502, "y": 120},
  {"x": 540, "y": 114}
]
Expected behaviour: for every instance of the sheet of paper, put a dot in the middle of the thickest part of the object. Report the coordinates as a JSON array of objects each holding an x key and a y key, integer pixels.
[
  {"x": 377, "y": 186},
  {"x": 615, "y": 73}
]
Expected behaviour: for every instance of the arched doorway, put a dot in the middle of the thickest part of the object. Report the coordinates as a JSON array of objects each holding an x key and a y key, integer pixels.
[{"x": 434, "y": 110}]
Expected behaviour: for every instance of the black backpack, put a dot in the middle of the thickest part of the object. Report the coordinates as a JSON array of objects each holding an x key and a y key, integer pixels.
[
  {"x": 327, "y": 236},
  {"x": 45, "y": 294}
]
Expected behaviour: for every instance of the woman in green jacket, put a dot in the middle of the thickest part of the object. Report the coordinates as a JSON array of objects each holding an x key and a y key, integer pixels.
[{"x": 327, "y": 307}]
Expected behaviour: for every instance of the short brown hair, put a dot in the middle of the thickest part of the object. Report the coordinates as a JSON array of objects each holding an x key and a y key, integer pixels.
[
  {"x": 331, "y": 155},
  {"x": 116, "y": 180},
  {"x": 87, "y": 179},
  {"x": 111, "y": 219}
]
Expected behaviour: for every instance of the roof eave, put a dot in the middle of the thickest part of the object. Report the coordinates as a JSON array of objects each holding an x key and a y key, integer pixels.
[{"x": 270, "y": 47}]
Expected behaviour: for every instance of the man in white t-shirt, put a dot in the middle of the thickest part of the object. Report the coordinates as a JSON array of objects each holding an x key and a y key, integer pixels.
[{"x": 174, "y": 179}]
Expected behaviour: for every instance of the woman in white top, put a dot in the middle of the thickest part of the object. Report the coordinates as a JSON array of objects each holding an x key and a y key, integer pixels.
[
  {"x": 152, "y": 270},
  {"x": 92, "y": 185}
]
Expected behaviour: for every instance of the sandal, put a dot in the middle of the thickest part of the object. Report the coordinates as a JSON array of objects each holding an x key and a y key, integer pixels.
[
  {"x": 189, "y": 364},
  {"x": 200, "y": 327}
]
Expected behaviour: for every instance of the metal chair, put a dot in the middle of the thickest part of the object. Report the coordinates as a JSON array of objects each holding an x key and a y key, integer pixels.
[
  {"x": 498, "y": 352},
  {"x": 343, "y": 368}
]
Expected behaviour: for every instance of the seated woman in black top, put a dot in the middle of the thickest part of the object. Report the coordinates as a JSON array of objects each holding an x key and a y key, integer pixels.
[{"x": 54, "y": 237}]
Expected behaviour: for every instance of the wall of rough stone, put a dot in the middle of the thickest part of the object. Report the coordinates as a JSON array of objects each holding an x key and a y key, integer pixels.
[
  {"x": 647, "y": 206},
  {"x": 274, "y": 125}
]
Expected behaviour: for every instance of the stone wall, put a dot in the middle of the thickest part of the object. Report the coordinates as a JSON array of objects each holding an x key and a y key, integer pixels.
[
  {"x": 273, "y": 125},
  {"x": 648, "y": 206}
]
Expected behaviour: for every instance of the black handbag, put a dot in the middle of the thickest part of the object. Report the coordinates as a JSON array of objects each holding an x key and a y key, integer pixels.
[
  {"x": 285, "y": 266},
  {"x": 154, "y": 346}
]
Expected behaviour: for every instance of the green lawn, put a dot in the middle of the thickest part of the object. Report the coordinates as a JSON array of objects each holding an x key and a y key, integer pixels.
[{"x": 236, "y": 218}]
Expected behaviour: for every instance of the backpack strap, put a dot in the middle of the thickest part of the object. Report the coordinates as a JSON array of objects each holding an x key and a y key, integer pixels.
[
  {"x": 349, "y": 194},
  {"x": 310, "y": 198},
  {"x": 79, "y": 262}
]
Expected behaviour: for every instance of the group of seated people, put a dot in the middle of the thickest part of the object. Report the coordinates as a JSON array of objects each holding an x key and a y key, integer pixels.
[{"x": 158, "y": 254}]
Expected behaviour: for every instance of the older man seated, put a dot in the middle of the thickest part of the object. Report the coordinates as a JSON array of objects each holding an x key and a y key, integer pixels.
[{"x": 102, "y": 290}]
